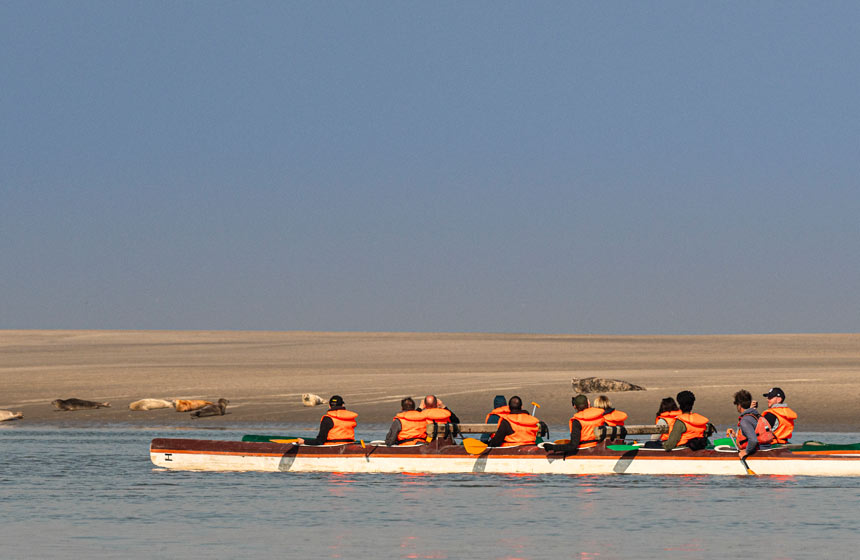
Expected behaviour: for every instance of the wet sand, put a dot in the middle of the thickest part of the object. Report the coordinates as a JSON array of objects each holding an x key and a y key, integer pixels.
[{"x": 264, "y": 374}]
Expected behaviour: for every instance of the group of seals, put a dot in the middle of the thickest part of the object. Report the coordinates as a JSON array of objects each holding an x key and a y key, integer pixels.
[
  {"x": 211, "y": 409},
  {"x": 9, "y": 415},
  {"x": 77, "y": 404},
  {"x": 598, "y": 385}
]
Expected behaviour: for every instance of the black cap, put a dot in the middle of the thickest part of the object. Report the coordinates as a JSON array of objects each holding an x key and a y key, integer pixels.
[
  {"x": 775, "y": 392},
  {"x": 336, "y": 400}
]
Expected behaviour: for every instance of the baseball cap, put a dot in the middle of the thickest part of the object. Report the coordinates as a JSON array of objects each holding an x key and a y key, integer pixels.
[
  {"x": 336, "y": 400},
  {"x": 775, "y": 392}
]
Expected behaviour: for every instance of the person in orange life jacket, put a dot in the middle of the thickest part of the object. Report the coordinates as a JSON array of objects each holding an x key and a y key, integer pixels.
[
  {"x": 336, "y": 426},
  {"x": 500, "y": 410},
  {"x": 435, "y": 410},
  {"x": 666, "y": 415},
  {"x": 780, "y": 417},
  {"x": 516, "y": 428},
  {"x": 408, "y": 427},
  {"x": 690, "y": 429},
  {"x": 581, "y": 425},
  {"x": 611, "y": 416},
  {"x": 747, "y": 438}
]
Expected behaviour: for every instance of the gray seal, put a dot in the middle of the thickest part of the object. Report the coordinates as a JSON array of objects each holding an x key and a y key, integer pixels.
[
  {"x": 218, "y": 409},
  {"x": 599, "y": 385},
  {"x": 77, "y": 404}
]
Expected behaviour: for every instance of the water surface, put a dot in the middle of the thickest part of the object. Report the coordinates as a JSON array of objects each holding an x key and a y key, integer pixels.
[{"x": 94, "y": 493}]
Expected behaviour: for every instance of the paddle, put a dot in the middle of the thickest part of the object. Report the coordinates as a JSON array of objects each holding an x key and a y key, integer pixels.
[
  {"x": 474, "y": 446},
  {"x": 731, "y": 434},
  {"x": 535, "y": 407}
]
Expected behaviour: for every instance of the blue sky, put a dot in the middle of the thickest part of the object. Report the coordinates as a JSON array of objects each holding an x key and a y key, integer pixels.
[{"x": 610, "y": 168}]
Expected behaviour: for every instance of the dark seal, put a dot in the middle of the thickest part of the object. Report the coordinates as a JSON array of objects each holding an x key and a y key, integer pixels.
[
  {"x": 218, "y": 409},
  {"x": 77, "y": 404},
  {"x": 598, "y": 385}
]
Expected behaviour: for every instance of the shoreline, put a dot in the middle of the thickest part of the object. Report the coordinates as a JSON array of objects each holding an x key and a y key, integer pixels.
[{"x": 263, "y": 374}]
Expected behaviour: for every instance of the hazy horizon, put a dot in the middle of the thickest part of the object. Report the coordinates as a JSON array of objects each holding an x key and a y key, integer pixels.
[{"x": 519, "y": 168}]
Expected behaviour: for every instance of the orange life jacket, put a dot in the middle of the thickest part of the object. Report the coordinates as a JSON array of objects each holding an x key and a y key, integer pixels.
[
  {"x": 589, "y": 418},
  {"x": 438, "y": 415},
  {"x": 695, "y": 426},
  {"x": 615, "y": 418},
  {"x": 525, "y": 427},
  {"x": 670, "y": 418},
  {"x": 413, "y": 426},
  {"x": 782, "y": 432},
  {"x": 762, "y": 431},
  {"x": 344, "y": 425},
  {"x": 501, "y": 412}
]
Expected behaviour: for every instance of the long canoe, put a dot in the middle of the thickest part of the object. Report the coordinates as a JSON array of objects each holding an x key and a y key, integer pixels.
[{"x": 443, "y": 456}]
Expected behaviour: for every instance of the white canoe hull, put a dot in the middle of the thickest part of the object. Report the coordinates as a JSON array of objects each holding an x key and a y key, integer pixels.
[{"x": 269, "y": 457}]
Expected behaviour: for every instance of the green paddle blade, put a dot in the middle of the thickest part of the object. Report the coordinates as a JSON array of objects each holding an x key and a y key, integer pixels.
[{"x": 252, "y": 437}]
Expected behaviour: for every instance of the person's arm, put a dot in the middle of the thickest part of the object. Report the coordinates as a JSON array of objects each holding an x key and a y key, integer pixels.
[
  {"x": 575, "y": 438},
  {"x": 502, "y": 431},
  {"x": 454, "y": 419},
  {"x": 326, "y": 424},
  {"x": 675, "y": 435},
  {"x": 656, "y": 437},
  {"x": 747, "y": 428},
  {"x": 393, "y": 432},
  {"x": 771, "y": 419}
]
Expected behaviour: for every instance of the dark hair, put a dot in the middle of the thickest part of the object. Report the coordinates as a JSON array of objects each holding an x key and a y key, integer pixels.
[
  {"x": 667, "y": 405},
  {"x": 743, "y": 398},
  {"x": 407, "y": 404},
  {"x": 686, "y": 400},
  {"x": 579, "y": 402},
  {"x": 515, "y": 403}
]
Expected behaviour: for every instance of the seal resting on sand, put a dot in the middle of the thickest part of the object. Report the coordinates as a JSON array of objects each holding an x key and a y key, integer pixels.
[
  {"x": 183, "y": 405},
  {"x": 598, "y": 385},
  {"x": 212, "y": 409},
  {"x": 9, "y": 415},
  {"x": 77, "y": 404},
  {"x": 150, "y": 404},
  {"x": 309, "y": 399}
]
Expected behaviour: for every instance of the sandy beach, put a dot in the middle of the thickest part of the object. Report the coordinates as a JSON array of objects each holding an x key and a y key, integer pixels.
[{"x": 264, "y": 374}]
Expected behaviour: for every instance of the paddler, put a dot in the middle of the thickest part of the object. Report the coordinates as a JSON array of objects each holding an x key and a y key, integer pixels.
[
  {"x": 666, "y": 416},
  {"x": 690, "y": 428},
  {"x": 780, "y": 417},
  {"x": 581, "y": 425},
  {"x": 516, "y": 428},
  {"x": 749, "y": 435},
  {"x": 336, "y": 426},
  {"x": 611, "y": 416},
  {"x": 409, "y": 426},
  {"x": 500, "y": 410},
  {"x": 435, "y": 410}
]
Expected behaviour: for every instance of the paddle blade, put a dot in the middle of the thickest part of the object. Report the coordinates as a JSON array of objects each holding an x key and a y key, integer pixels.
[
  {"x": 284, "y": 440},
  {"x": 747, "y": 467},
  {"x": 474, "y": 446}
]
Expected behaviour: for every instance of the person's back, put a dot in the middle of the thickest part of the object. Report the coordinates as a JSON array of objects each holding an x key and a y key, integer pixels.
[
  {"x": 690, "y": 429},
  {"x": 583, "y": 422},
  {"x": 337, "y": 425},
  {"x": 517, "y": 428},
  {"x": 611, "y": 416},
  {"x": 780, "y": 417},
  {"x": 408, "y": 427},
  {"x": 667, "y": 414},
  {"x": 500, "y": 410}
]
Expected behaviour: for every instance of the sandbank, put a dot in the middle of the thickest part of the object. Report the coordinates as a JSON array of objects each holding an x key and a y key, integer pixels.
[{"x": 264, "y": 374}]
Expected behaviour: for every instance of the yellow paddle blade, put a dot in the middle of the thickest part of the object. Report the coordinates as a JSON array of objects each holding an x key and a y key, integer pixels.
[
  {"x": 474, "y": 446},
  {"x": 561, "y": 441},
  {"x": 283, "y": 440},
  {"x": 362, "y": 443}
]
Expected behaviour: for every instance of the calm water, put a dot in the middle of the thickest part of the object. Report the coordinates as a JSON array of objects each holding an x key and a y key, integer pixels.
[{"x": 75, "y": 493}]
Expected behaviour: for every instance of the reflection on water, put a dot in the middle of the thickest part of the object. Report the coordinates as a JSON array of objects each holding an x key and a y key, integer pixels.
[{"x": 94, "y": 493}]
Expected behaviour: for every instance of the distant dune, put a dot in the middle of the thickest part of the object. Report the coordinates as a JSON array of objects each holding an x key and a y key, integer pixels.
[{"x": 264, "y": 374}]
